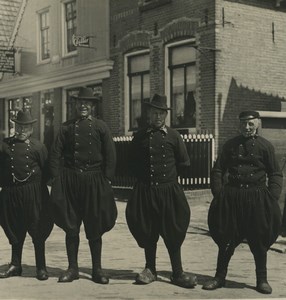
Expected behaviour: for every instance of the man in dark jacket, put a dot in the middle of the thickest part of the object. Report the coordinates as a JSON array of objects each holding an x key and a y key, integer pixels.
[
  {"x": 158, "y": 206},
  {"x": 82, "y": 163},
  {"x": 24, "y": 195},
  {"x": 246, "y": 207}
]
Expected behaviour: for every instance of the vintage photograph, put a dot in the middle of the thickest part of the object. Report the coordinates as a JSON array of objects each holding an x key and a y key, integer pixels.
[{"x": 142, "y": 149}]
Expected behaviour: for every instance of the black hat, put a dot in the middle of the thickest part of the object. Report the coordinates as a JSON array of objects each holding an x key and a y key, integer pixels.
[
  {"x": 24, "y": 118},
  {"x": 159, "y": 101},
  {"x": 85, "y": 94},
  {"x": 249, "y": 115}
]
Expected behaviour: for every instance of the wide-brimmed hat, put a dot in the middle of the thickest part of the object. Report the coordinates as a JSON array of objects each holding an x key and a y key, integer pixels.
[
  {"x": 249, "y": 115},
  {"x": 159, "y": 101},
  {"x": 24, "y": 118},
  {"x": 85, "y": 94}
]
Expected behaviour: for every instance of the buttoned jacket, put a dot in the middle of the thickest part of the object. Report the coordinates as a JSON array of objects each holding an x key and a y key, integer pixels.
[
  {"x": 22, "y": 161},
  {"x": 84, "y": 145},
  {"x": 157, "y": 155},
  {"x": 248, "y": 162}
]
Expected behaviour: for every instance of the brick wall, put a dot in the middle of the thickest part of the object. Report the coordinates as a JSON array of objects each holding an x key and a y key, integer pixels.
[
  {"x": 250, "y": 66},
  {"x": 240, "y": 56},
  {"x": 132, "y": 29}
]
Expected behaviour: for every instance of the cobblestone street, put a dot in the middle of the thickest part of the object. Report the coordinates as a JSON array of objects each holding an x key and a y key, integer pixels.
[{"x": 122, "y": 259}]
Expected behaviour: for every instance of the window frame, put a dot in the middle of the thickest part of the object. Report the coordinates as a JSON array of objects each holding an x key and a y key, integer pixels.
[
  {"x": 40, "y": 58},
  {"x": 128, "y": 128},
  {"x": 168, "y": 78},
  {"x": 65, "y": 51}
]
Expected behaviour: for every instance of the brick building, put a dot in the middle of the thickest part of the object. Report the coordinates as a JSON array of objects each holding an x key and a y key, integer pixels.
[{"x": 212, "y": 58}]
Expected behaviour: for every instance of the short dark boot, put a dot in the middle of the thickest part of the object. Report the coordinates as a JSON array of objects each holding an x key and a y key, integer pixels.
[
  {"x": 41, "y": 273},
  {"x": 263, "y": 287},
  {"x": 179, "y": 277},
  {"x": 98, "y": 275},
  {"x": 185, "y": 281},
  {"x": 146, "y": 276},
  {"x": 71, "y": 274},
  {"x": 214, "y": 284},
  {"x": 11, "y": 271},
  {"x": 218, "y": 281},
  {"x": 14, "y": 268}
]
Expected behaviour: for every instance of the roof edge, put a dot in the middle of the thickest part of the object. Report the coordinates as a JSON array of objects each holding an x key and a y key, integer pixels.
[{"x": 17, "y": 23}]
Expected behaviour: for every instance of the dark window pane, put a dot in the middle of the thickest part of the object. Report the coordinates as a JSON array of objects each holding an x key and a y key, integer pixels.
[
  {"x": 183, "y": 85},
  {"x": 139, "y": 87}
]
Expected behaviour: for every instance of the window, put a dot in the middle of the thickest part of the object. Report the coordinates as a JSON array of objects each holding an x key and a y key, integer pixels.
[
  {"x": 138, "y": 73},
  {"x": 182, "y": 67},
  {"x": 44, "y": 35},
  {"x": 70, "y": 24}
]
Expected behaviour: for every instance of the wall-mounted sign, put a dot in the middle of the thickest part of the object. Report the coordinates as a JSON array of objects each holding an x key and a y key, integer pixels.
[
  {"x": 80, "y": 40},
  {"x": 7, "y": 60}
]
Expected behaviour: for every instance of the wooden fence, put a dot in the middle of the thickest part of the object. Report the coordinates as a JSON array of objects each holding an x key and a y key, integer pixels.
[{"x": 200, "y": 148}]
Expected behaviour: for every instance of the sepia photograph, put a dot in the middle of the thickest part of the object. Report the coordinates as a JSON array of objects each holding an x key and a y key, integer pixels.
[{"x": 142, "y": 149}]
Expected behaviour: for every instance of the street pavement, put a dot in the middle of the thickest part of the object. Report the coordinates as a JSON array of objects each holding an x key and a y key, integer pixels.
[{"x": 122, "y": 259}]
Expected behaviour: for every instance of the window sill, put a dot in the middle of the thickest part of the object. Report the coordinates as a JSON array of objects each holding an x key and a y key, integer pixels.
[
  {"x": 44, "y": 62},
  {"x": 69, "y": 54}
]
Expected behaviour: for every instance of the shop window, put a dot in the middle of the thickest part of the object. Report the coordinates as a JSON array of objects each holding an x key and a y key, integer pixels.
[
  {"x": 24, "y": 103},
  {"x": 138, "y": 77},
  {"x": 44, "y": 47},
  {"x": 48, "y": 112},
  {"x": 182, "y": 68},
  {"x": 70, "y": 25},
  {"x": 96, "y": 107}
]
